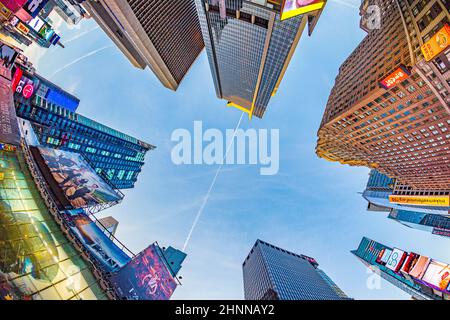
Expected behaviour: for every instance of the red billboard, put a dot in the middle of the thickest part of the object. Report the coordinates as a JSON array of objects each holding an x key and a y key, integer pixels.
[{"x": 400, "y": 74}]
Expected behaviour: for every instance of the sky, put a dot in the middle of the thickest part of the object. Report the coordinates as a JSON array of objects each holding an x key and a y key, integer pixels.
[{"x": 312, "y": 206}]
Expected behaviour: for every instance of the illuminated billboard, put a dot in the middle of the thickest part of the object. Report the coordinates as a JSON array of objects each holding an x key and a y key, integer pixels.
[
  {"x": 418, "y": 267},
  {"x": 396, "y": 260},
  {"x": 383, "y": 256},
  {"x": 13, "y": 5},
  {"x": 400, "y": 74},
  {"x": 32, "y": 7},
  {"x": 437, "y": 276},
  {"x": 433, "y": 201},
  {"x": 146, "y": 277},
  {"x": 36, "y": 24},
  {"x": 76, "y": 179},
  {"x": 96, "y": 241},
  {"x": 292, "y": 8},
  {"x": 437, "y": 44}
]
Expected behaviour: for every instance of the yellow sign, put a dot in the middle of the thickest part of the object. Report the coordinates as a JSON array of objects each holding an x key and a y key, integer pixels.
[
  {"x": 23, "y": 28},
  {"x": 438, "y": 43},
  {"x": 433, "y": 201},
  {"x": 4, "y": 11},
  {"x": 292, "y": 8}
]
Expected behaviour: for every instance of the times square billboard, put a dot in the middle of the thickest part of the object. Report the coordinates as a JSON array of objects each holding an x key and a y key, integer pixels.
[{"x": 145, "y": 277}]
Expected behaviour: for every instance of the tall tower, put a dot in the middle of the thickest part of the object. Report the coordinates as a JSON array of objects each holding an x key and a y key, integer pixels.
[
  {"x": 164, "y": 35},
  {"x": 249, "y": 48},
  {"x": 390, "y": 107},
  {"x": 272, "y": 273}
]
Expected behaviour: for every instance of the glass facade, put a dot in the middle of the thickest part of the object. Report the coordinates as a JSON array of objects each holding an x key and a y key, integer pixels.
[
  {"x": 248, "y": 48},
  {"x": 36, "y": 259},
  {"x": 368, "y": 252},
  {"x": 272, "y": 273},
  {"x": 114, "y": 155}
]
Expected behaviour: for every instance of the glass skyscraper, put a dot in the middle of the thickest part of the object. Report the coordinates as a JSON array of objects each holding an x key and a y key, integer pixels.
[
  {"x": 249, "y": 49},
  {"x": 114, "y": 155},
  {"x": 376, "y": 257},
  {"x": 272, "y": 273}
]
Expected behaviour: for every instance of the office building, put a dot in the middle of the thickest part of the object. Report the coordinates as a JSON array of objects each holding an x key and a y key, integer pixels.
[
  {"x": 419, "y": 276},
  {"x": 249, "y": 48},
  {"x": 272, "y": 273},
  {"x": 433, "y": 219},
  {"x": 390, "y": 106},
  {"x": 163, "y": 35},
  {"x": 114, "y": 155}
]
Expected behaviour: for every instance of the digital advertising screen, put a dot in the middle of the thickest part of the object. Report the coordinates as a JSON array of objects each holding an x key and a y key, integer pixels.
[
  {"x": 292, "y": 8},
  {"x": 96, "y": 241},
  {"x": 76, "y": 179},
  {"x": 396, "y": 259},
  {"x": 32, "y": 7},
  {"x": 145, "y": 277},
  {"x": 438, "y": 276},
  {"x": 419, "y": 266},
  {"x": 36, "y": 23}
]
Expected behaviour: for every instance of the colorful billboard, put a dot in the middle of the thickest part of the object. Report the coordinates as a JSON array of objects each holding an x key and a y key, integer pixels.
[
  {"x": 77, "y": 180},
  {"x": 13, "y": 5},
  {"x": 146, "y": 277},
  {"x": 400, "y": 74},
  {"x": 441, "y": 232},
  {"x": 4, "y": 11},
  {"x": 9, "y": 128},
  {"x": 438, "y": 43},
  {"x": 383, "y": 256},
  {"x": 32, "y": 7},
  {"x": 432, "y": 201},
  {"x": 292, "y": 8},
  {"x": 418, "y": 267},
  {"x": 96, "y": 241},
  {"x": 396, "y": 260},
  {"x": 36, "y": 24},
  {"x": 437, "y": 276},
  {"x": 7, "y": 56}
]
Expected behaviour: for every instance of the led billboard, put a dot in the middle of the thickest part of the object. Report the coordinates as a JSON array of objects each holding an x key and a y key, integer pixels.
[
  {"x": 292, "y": 8},
  {"x": 437, "y": 44},
  {"x": 13, "y": 5},
  {"x": 32, "y": 7},
  {"x": 96, "y": 241},
  {"x": 396, "y": 259},
  {"x": 145, "y": 277},
  {"x": 76, "y": 179},
  {"x": 433, "y": 201},
  {"x": 9, "y": 128},
  {"x": 437, "y": 276},
  {"x": 419, "y": 267},
  {"x": 36, "y": 24},
  {"x": 383, "y": 256},
  {"x": 400, "y": 74}
]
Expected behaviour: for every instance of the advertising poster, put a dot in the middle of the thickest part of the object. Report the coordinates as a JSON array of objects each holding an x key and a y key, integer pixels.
[
  {"x": 36, "y": 24},
  {"x": 437, "y": 276},
  {"x": 13, "y": 5},
  {"x": 402, "y": 73},
  {"x": 146, "y": 277},
  {"x": 292, "y": 8},
  {"x": 78, "y": 181},
  {"x": 418, "y": 268},
  {"x": 438, "y": 43},
  {"x": 396, "y": 259},
  {"x": 9, "y": 128},
  {"x": 32, "y": 7},
  {"x": 96, "y": 241}
]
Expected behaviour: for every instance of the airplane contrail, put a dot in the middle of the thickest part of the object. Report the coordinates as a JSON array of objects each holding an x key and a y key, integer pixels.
[
  {"x": 81, "y": 34},
  {"x": 79, "y": 59},
  {"x": 211, "y": 187}
]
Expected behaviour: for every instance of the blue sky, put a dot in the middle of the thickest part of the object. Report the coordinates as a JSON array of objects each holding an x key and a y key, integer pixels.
[{"x": 311, "y": 206}]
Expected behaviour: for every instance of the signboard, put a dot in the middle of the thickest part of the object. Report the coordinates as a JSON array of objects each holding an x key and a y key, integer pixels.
[
  {"x": 76, "y": 179},
  {"x": 400, "y": 74},
  {"x": 438, "y": 43},
  {"x": 292, "y": 8},
  {"x": 7, "y": 147},
  {"x": 441, "y": 232},
  {"x": 13, "y": 5},
  {"x": 16, "y": 78},
  {"x": 433, "y": 201},
  {"x": 32, "y": 7},
  {"x": 46, "y": 32},
  {"x": 23, "y": 28},
  {"x": 36, "y": 24},
  {"x": 383, "y": 256},
  {"x": 437, "y": 275},
  {"x": 9, "y": 128},
  {"x": 146, "y": 277},
  {"x": 111, "y": 257},
  {"x": 7, "y": 56},
  {"x": 4, "y": 11},
  {"x": 418, "y": 267},
  {"x": 396, "y": 259},
  {"x": 25, "y": 86}
]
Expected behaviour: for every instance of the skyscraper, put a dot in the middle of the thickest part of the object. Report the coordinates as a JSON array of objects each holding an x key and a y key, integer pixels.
[
  {"x": 116, "y": 156},
  {"x": 390, "y": 106},
  {"x": 249, "y": 48},
  {"x": 420, "y": 276},
  {"x": 433, "y": 219},
  {"x": 272, "y": 273},
  {"x": 164, "y": 35}
]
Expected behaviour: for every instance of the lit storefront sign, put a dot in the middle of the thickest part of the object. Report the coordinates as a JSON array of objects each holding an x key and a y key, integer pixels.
[
  {"x": 438, "y": 43},
  {"x": 433, "y": 201},
  {"x": 402, "y": 73},
  {"x": 292, "y": 8}
]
